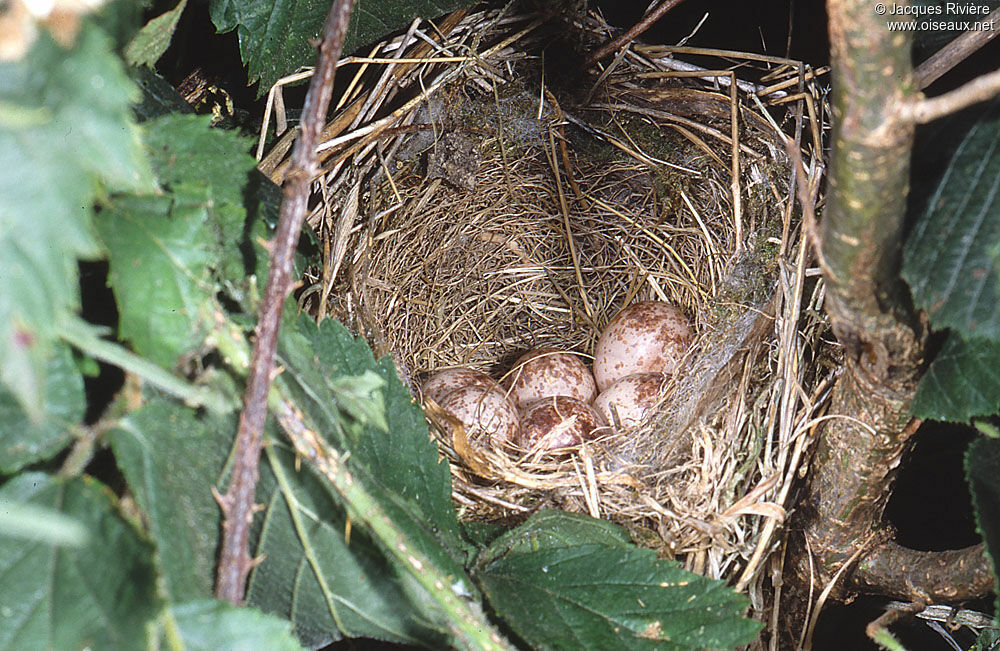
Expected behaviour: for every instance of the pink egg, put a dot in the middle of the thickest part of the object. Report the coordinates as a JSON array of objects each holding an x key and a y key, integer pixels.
[
  {"x": 486, "y": 413},
  {"x": 547, "y": 372},
  {"x": 646, "y": 337},
  {"x": 631, "y": 399},
  {"x": 440, "y": 384},
  {"x": 559, "y": 422}
]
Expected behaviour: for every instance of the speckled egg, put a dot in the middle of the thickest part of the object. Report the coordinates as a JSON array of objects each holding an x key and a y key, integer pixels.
[
  {"x": 631, "y": 398},
  {"x": 487, "y": 414},
  {"x": 646, "y": 337},
  {"x": 440, "y": 384},
  {"x": 559, "y": 422},
  {"x": 546, "y": 372}
]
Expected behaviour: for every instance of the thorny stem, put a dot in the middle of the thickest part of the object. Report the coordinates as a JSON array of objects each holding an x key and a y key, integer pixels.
[{"x": 238, "y": 502}]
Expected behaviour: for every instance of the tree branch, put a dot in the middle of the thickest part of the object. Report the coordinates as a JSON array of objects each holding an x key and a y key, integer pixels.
[
  {"x": 633, "y": 32},
  {"x": 978, "y": 90},
  {"x": 238, "y": 502},
  {"x": 895, "y": 571},
  {"x": 861, "y": 237},
  {"x": 955, "y": 52}
]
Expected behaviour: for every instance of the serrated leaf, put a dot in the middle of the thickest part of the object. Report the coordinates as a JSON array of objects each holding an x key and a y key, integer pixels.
[
  {"x": 404, "y": 459},
  {"x": 159, "y": 98},
  {"x": 159, "y": 259},
  {"x": 599, "y": 597},
  {"x": 153, "y": 39},
  {"x": 187, "y": 151},
  {"x": 950, "y": 258},
  {"x": 275, "y": 37},
  {"x": 101, "y": 595},
  {"x": 982, "y": 471},
  {"x": 550, "y": 529},
  {"x": 171, "y": 460},
  {"x": 208, "y": 625},
  {"x": 23, "y": 441},
  {"x": 325, "y": 586},
  {"x": 962, "y": 382},
  {"x": 65, "y": 130}
]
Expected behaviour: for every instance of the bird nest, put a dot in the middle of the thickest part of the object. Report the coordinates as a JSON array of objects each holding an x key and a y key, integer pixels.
[{"x": 482, "y": 196}]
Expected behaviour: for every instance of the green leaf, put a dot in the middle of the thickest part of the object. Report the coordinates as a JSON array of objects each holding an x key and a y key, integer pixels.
[
  {"x": 402, "y": 457},
  {"x": 23, "y": 441},
  {"x": 159, "y": 251},
  {"x": 988, "y": 640},
  {"x": 962, "y": 382},
  {"x": 208, "y": 625},
  {"x": 982, "y": 471},
  {"x": 187, "y": 151},
  {"x": 275, "y": 36},
  {"x": 171, "y": 460},
  {"x": 598, "y": 597},
  {"x": 950, "y": 258},
  {"x": 311, "y": 575},
  {"x": 101, "y": 595},
  {"x": 65, "y": 131},
  {"x": 550, "y": 529},
  {"x": 40, "y": 524},
  {"x": 153, "y": 39}
]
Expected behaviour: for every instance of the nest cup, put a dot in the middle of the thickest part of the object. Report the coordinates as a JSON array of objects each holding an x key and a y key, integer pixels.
[{"x": 471, "y": 208}]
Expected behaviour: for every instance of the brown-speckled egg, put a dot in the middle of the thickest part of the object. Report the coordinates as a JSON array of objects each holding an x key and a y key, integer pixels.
[
  {"x": 559, "y": 422},
  {"x": 440, "y": 384},
  {"x": 631, "y": 398},
  {"x": 646, "y": 337},
  {"x": 486, "y": 413},
  {"x": 546, "y": 372}
]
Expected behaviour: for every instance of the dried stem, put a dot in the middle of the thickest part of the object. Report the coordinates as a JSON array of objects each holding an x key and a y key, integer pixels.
[
  {"x": 633, "y": 33},
  {"x": 238, "y": 502}
]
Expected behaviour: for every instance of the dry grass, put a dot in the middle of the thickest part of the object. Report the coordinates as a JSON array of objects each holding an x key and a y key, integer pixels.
[{"x": 651, "y": 180}]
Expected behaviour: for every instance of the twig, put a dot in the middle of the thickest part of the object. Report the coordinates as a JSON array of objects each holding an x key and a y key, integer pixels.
[
  {"x": 956, "y": 51},
  {"x": 978, "y": 90},
  {"x": 237, "y": 504},
  {"x": 633, "y": 32}
]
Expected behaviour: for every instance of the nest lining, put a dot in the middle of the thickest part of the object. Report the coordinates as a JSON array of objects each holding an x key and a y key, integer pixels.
[{"x": 576, "y": 213}]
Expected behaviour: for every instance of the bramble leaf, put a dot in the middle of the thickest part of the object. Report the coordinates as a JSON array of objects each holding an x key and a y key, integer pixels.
[
  {"x": 100, "y": 595},
  {"x": 171, "y": 460},
  {"x": 209, "y": 624},
  {"x": 275, "y": 36},
  {"x": 23, "y": 441},
  {"x": 159, "y": 253},
  {"x": 66, "y": 133},
  {"x": 950, "y": 259},
  {"x": 570, "y": 584},
  {"x": 328, "y": 587},
  {"x": 403, "y": 457},
  {"x": 171, "y": 253},
  {"x": 962, "y": 382},
  {"x": 153, "y": 39},
  {"x": 982, "y": 460}
]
